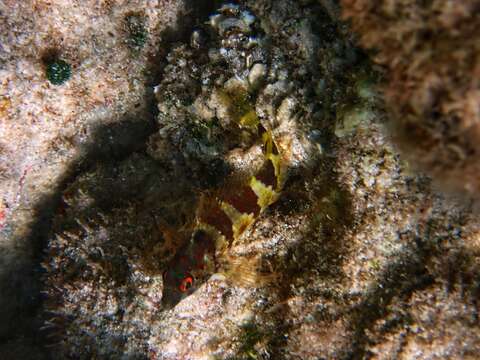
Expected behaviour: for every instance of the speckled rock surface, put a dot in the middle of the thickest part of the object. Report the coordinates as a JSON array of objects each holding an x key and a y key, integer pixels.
[
  {"x": 49, "y": 133},
  {"x": 358, "y": 258}
]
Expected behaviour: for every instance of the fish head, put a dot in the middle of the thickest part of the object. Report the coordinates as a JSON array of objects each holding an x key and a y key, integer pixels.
[{"x": 190, "y": 267}]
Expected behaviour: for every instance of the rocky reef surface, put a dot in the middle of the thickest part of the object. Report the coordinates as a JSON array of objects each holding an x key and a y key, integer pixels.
[
  {"x": 431, "y": 52},
  {"x": 358, "y": 257}
]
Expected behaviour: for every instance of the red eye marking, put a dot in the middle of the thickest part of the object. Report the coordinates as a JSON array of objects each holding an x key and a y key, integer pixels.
[{"x": 186, "y": 284}]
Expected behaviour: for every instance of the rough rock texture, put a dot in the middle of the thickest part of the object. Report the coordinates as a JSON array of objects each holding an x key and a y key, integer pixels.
[
  {"x": 432, "y": 55},
  {"x": 49, "y": 133},
  {"x": 358, "y": 258}
]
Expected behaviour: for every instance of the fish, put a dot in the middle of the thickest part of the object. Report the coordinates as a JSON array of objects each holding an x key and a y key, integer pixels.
[{"x": 222, "y": 217}]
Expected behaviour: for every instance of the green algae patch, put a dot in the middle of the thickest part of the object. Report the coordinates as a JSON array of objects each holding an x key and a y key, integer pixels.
[{"x": 58, "y": 71}]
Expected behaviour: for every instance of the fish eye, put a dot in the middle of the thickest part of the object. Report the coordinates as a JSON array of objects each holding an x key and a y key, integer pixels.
[{"x": 186, "y": 283}]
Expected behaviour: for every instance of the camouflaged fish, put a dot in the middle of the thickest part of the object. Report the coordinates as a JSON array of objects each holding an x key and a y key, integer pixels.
[{"x": 221, "y": 219}]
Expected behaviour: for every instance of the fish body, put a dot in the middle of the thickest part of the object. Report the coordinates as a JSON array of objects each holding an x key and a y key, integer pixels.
[{"x": 222, "y": 218}]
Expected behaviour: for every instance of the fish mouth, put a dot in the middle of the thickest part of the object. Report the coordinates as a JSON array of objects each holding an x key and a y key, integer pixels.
[{"x": 171, "y": 298}]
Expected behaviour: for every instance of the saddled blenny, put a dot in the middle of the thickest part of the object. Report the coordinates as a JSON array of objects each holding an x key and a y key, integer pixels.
[{"x": 223, "y": 217}]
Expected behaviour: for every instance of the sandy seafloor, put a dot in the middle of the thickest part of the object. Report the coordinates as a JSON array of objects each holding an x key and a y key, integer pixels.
[{"x": 371, "y": 260}]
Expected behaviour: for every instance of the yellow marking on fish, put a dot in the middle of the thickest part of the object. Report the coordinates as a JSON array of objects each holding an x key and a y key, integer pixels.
[
  {"x": 266, "y": 195},
  {"x": 240, "y": 221},
  {"x": 276, "y": 159}
]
